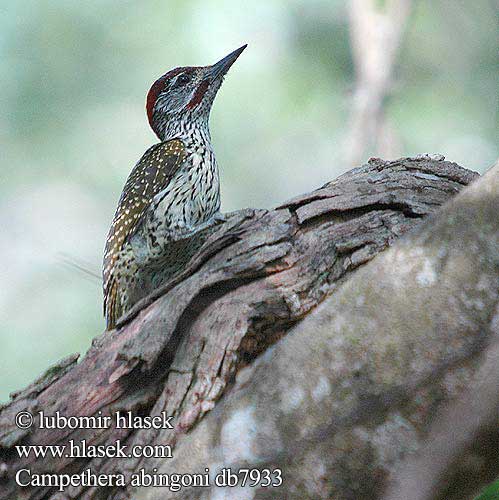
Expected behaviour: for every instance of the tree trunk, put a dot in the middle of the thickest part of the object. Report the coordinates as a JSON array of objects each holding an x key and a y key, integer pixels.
[{"x": 283, "y": 347}]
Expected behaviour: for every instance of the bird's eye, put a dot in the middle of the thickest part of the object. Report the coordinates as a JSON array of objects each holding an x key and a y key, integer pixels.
[{"x": 182, "y": 79}]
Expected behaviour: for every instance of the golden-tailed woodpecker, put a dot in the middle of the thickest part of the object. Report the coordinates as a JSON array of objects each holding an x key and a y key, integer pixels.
[{"x": 173, "y": 191}]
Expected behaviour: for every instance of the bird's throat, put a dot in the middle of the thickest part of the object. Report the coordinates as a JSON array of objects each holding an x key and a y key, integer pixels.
[{"x": 185, "y": 128}]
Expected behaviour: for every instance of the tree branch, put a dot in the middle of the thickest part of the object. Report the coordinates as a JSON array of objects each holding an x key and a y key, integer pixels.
[
  {"x": 346, "y": 395},
  {"x": 376, "y": 31}
]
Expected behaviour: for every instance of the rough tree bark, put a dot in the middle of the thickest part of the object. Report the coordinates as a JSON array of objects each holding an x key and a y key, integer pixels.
[{"x": 283, "y": 346}]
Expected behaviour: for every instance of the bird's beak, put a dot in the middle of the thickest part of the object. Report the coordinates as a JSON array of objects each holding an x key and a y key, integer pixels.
[{"x": 220, "y": 68}]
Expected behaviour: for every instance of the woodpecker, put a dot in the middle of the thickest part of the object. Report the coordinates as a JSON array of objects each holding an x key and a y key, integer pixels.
[{"x": 173, "y": 192}]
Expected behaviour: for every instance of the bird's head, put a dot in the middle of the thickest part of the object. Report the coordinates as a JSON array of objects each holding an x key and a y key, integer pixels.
[{"x": 186, "y": 94}]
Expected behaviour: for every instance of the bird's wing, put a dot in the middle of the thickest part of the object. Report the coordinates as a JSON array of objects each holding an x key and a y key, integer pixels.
[{"x": 150, "y": 176}]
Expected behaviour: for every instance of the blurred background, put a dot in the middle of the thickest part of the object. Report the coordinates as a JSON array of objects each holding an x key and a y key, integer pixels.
[{"x": 323, "y": 85}]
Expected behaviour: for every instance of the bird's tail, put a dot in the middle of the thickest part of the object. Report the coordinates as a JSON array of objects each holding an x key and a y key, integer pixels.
[{"x": 112, "y": 306}]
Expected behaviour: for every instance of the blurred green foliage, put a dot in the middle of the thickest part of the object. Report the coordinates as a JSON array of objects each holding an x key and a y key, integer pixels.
[
  {"x": 74, "y": 78},
  {"x": 490, "y": 493}
]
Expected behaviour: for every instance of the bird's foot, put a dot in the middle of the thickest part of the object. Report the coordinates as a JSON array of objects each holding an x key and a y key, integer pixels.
[{"x": 220, "y": 218}]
